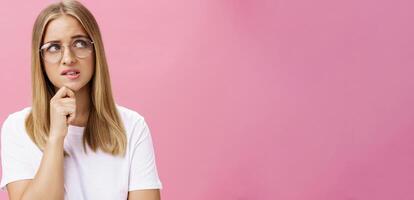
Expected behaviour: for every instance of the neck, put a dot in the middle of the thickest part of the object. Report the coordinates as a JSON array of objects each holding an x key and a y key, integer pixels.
[{"x": 82, "y": 102}]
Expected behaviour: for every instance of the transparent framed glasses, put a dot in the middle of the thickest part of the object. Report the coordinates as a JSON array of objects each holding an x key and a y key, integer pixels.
[{"x": 52, "y": 52}]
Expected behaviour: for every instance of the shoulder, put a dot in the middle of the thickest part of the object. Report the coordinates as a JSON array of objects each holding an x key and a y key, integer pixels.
[
  {"x": 13, "y": 130},
  {"x": 129, "y": 116},
  {"x": 134, "y": 123},
  {"x": 20, "y": 114},
  {"x": 16, "y": 120}
]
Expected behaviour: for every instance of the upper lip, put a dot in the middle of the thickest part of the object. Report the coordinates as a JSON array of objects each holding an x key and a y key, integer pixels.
[{"x": 69, "y": 70}]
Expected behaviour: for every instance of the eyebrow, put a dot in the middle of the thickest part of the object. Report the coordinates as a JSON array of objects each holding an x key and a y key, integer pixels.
[{"x": 73, "y": 37}]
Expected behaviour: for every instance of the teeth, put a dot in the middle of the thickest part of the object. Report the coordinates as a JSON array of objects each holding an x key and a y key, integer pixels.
[{"x": 71, "y": 73}]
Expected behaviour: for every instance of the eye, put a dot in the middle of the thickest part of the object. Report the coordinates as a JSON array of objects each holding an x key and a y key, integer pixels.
[
  {"x": 53, "y": 48},
  {"x": 80, "y": 44}
]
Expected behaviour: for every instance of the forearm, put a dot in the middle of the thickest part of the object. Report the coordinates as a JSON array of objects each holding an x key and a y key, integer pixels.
[{"x": 48, "y": 181}]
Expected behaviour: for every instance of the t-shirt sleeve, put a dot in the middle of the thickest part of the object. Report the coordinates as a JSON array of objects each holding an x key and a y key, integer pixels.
[
  {"x": 143, "y": 171},
  {"x": 15, "y": 158}
]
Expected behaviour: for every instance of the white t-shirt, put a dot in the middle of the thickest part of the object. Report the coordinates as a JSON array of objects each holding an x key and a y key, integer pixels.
[{"x": 86, "y": 176}]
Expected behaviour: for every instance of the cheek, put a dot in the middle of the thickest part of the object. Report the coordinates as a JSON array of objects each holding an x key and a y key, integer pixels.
[
  {"x": 51, "y": 71},
  {"x": 87, "y": 66}
]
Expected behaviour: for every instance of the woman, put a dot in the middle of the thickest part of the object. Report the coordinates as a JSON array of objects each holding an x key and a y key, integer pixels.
[{"x": 75, "y": 142}]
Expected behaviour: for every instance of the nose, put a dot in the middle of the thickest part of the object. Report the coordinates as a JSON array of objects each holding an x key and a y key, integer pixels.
[{"x": 68, "y": 58}]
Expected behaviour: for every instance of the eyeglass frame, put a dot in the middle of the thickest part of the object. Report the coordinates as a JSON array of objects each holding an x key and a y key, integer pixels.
[{"x": 63, "y": 50}]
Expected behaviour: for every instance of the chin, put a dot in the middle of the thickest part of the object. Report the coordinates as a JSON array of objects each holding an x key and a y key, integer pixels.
[{"x": 74, "y": 86}]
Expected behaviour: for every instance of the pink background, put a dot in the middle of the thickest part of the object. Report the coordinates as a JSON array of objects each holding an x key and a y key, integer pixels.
[{"x": 255, "y": 100}]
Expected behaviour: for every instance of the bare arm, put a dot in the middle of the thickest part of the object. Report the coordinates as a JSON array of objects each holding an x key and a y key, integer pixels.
[
  {"x": 151, "y": 194},
  {"x": 48, "y": 181}
]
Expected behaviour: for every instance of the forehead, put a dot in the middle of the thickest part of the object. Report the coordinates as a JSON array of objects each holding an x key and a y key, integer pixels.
[{"x": 63, "y": 28}]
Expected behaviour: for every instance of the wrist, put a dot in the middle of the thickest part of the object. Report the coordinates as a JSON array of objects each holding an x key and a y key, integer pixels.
[{"x": 55, "y": 138}]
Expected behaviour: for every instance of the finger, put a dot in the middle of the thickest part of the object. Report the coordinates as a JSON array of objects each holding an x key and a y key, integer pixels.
[
  {"x": 68, "y": 101},
  {"x": 59, "y": 93},
  {"x": 64, "y": 92},
  {"x": 70, "y": 93}
]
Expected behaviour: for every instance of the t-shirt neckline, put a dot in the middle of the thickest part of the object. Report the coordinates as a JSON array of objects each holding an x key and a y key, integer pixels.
[{"x": 76, "y": 130}]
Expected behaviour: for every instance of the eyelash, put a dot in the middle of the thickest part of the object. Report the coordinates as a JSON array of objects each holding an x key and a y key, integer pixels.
[{"x": 53, "y": 45}]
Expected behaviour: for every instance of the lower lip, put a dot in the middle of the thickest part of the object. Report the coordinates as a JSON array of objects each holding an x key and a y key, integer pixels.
[{"x": 72, "y": 77}]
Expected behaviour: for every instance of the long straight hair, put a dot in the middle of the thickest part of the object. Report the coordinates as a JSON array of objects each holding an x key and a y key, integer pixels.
[{"x": 104, "y": 129}]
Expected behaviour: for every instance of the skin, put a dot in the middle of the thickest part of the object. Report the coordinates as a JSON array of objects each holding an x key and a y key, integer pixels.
[
  {"x": 72, "y": 98},
  {"x": 63, "y": 29}
]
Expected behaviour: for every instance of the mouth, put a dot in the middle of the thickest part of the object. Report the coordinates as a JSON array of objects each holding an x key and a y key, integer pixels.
[{"x": 71, "y": 74}]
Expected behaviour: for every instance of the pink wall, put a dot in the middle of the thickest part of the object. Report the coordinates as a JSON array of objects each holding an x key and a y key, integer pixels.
[{"x": 255, "y": 100}]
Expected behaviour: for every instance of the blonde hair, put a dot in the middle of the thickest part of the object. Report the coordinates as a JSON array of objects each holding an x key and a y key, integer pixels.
[{"x": 104, "y": 129}]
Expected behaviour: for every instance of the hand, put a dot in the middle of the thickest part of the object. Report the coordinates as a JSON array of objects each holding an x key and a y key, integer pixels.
[{"x": 62, "y": 112}]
